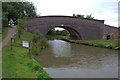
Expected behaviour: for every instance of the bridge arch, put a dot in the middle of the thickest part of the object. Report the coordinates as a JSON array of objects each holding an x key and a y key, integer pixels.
[
  {"x": 73, "y": 33},
  {"x": 82, "y": 28}
]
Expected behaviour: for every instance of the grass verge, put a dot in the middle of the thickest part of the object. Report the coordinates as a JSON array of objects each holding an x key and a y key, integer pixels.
[
  {"x": 16, "y": 63},
  {"x": 5, "y": 32},
  {"x": 111, "y": 43},
  {"x": 51, "y": 37},
  {"x": 0, "y": 39}
]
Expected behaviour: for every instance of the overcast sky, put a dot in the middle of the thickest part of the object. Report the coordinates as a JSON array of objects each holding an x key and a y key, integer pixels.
[{"x": 100, "y": 9}]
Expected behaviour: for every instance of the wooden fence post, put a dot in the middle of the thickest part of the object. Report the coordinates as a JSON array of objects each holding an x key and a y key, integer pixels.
[
  {"x": 11, "y": 42},
  {"x": 14, "y": 38},
  {"x": 30, "y": 49}
]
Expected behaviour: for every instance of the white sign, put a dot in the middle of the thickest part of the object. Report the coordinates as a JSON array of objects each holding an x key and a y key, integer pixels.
[{"x": 25, "y": 44}]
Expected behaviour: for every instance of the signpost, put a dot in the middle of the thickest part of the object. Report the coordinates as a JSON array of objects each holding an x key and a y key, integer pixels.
[{"x": 25, "y": 43}]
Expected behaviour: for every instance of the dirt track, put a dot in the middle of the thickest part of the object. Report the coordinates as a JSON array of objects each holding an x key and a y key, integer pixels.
[{"x": 11, "y": 31}]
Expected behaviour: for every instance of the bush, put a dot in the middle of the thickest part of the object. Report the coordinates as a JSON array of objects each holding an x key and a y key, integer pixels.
[
  {"x": 39, "y": 42},
  {"x": 35, "y": 50},
  {"x": 44, "y": 42},
  {"x": 36, "y": 68},
  {"x": 21, "y": 24},
  {"x": 19, "y": 31},
  {"x": 37, "y": 36},
  {"x": 41, "y": 73}
]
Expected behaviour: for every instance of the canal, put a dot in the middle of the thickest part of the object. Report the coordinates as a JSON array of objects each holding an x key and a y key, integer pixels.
[{"x": 67, "y": 60}]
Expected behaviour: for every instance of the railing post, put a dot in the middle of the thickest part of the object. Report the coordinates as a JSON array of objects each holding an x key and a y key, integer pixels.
[
  {"x": 14, "y": 38},
  {"x": 30, "y": 49},
  {"x": 11, "y": 42}
]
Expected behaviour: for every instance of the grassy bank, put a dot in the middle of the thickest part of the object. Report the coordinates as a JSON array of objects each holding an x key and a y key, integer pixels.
[
  {"x": 0, "y": 39},
  {"x": 4, "y": 34},
  {"x": 51, "y": 37},
  {"x": 110, "y": 43},
  {"x": 16, "y": 63}
]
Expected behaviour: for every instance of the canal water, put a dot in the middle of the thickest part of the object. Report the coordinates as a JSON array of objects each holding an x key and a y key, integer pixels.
[{"x": 67, "y": 60}]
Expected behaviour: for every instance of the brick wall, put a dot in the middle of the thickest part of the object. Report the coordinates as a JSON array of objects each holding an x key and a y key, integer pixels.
[
  {"x": 88, "y": 29},
  {"x": 110, "y": 30}
]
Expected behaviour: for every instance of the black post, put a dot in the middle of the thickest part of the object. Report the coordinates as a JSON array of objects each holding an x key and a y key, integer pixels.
[
  {"x": 14, "y": 37},
  {"x": 30, "y": 49},
  {"x": 14, "y": 41},
  {"x": 11, "y": 43}
]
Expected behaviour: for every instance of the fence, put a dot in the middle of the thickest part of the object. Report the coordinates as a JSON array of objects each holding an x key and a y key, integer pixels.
[{"x": 17, "y": 42}]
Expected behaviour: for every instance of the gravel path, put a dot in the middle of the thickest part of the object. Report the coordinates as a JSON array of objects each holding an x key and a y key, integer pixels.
[{"x": 11, "y": 31}]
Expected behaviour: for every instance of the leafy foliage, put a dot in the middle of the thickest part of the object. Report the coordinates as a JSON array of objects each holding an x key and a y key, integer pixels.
[
  {"x": 58, "y": 32},
  {"x": 36, "y": 36},
  {"x": 78, "y": 15},
  {"x": 83, "y": 16},
  {"x": 39, "y": 42},
  {"x": 20, "y": 26},
  {"x": 4, "y": 21},
  {"x": 16, "y": 11},
  {"x": 21, "y": 23},
  {"x": 89, "y": 16}
]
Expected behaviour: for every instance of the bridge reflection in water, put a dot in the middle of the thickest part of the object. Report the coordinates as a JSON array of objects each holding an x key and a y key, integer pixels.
[
  {"x": 60, "y": 50},
  {"x": 66, "y": 60}
]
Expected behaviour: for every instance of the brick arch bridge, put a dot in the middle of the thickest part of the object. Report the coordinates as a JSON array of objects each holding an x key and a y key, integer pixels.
[{"x": 82, "y": 28}]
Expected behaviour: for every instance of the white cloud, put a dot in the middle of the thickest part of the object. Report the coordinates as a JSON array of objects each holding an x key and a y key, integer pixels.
[{"x": 101, "y": 9}]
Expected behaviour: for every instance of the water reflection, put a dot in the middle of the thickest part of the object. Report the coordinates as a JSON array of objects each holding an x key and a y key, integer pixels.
[
  {"x": 60, "y": 48},
  {"x": 78, "y": 59}
]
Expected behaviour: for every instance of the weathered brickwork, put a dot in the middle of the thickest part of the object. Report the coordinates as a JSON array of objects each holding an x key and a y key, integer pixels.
[
  {"x": 110, "y": 30},
  {"x": 85, "y": 29}
]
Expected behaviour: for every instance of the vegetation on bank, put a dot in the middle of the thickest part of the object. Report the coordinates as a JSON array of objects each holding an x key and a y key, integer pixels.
[
  {"x": 38, "y": 42},
  {"x": 103, "y": 43},
  {"x": 4, "y": 34},
  {"x": 110, "y": 44},
  {"x": 51, "y": 37},
  {"x": 0, "y": 39},
  {"x": 65, "y": 35},
  {"x": 16, "y": 62}
]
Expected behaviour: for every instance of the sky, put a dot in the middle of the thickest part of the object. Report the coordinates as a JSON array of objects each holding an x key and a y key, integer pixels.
[{"x": 100, "y": 9}]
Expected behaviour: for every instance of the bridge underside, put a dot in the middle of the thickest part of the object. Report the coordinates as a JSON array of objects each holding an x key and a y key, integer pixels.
[{"x": 73, "y": 33}]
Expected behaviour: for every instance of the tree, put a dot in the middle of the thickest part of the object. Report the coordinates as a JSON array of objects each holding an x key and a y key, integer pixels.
[
  {"x": 89, "y": 16},
  {"x": 65, "y": 33},
  {"x": 4, "y": 21},
  {"x": 83, "y": 16},
  {"x": 25, "y": 9},
  {"x": 73, "y": 15},
  {"x": 16, "y": 11},
  {"x": 78, "y": 15}
]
